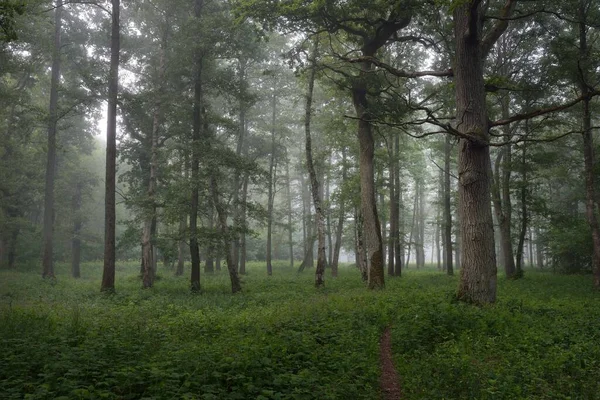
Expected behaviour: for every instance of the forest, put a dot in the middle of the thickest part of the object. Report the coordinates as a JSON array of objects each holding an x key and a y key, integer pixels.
[{"x": 299, "y": 199}]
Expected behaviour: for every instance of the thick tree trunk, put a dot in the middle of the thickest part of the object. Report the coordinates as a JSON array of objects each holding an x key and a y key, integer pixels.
[
  {"x": 588, "y": 146},
  {"x": 76, "y": 238},
  {"x": 108, "y": 275},
  {"x": 315, "y": 186},
  {"x": 271, "y": 195},
  {"x": 47, "y": 260},
  {"x": 478, "y": 271},
  {"x": 371, "y": 230}
]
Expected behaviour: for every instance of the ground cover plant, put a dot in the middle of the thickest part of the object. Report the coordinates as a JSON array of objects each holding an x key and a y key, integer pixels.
[{"x": 283, "y": 339}]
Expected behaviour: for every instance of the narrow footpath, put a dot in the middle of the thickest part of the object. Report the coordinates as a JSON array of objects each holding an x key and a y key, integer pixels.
[{"x": 390, "y": 380}]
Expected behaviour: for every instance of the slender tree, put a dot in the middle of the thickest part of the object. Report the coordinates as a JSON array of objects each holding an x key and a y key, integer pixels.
[
  {"x": 108, "y": 275},
  {"x": 47, "y": 260}
]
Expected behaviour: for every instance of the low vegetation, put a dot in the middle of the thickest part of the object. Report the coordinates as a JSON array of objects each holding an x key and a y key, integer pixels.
[{"x": 282, "y": 339}]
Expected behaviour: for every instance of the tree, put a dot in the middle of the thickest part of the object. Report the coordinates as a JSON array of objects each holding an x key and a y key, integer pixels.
[
  {"x": 47, "y": 261},
  {"x": 108, "y": 275},
  {"x": 315, "y": 185}
]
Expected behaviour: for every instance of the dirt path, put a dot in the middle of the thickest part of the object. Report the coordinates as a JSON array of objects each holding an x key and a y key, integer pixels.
[{"x": 390, "y": 380}]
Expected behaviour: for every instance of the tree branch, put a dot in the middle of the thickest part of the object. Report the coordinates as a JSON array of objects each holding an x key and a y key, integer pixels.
[
  {"x": 543, "y": 111},
  {"x": 499, "y": 28}
]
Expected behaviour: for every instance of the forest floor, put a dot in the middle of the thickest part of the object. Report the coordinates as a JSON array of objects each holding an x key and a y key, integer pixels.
[{"x": 283, "y": 339}]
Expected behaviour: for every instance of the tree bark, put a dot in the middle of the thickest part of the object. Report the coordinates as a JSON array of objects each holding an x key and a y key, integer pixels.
[
  {"x": 371, "y": 230},
  {"x": 478, "y": 270},
  {"x": 588, "y": 146},
  {"x": 315, "y": 185},
  {"x": 361, "y": 257},
  {"x": 108, "y": 275},
  {"x": 47, "y": 260}
]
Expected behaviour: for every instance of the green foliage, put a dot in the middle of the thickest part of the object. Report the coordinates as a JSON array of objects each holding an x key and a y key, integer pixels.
[
  {"x": 536, "y": 343},
  {"x": 281, "y": 339}
]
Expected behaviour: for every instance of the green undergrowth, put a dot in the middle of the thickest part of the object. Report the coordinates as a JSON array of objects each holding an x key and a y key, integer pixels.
[{"x": 283, "y": 339}]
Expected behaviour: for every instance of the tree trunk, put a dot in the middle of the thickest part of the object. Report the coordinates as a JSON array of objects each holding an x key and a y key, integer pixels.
[
  {"x": 211, "y": 249},
  {"x": 524, "y": 216},
  {"x": 399, "y": 232},
  {"x": 309, "y": 241},
  {"x": 393, "y": 207},
  {"x": 371, "y": 230},
  {"x": 182, "y": 223},
  {"x": 76, "y": 239},
  {"x": 316, "y": 189},
  {"x": 503, "y": 206},
  {"x": 412, "y": 226},
  {"x": 588, "y": 146},
  {"x": 539, "y": 249},
  {"x": 340, "y": 222},
  {"x": 47, "y": 260},
  {"x": 148, "y": 248},
  {"x": 447, "y": 211},
  {"x": 242, "y": 260},
  {"x": 271, "y": 194},
  {"x": 239, "y": 150},
  {"x": 328, "y": 216},
  {"x": 289, "y": 216},
  {"x": 381, "y": 206},
  {"x": 420, "y": 236},
  {"x": 195, "y": 175},
  {"x": 438, "y": 220},
  {"x": 361, "y": 257},
  {"x": 181, "y": 246},
  {"x": 108, "y": 274},
  {"x": 478, "y": 271},
  {"x": 224, "y": 230}
]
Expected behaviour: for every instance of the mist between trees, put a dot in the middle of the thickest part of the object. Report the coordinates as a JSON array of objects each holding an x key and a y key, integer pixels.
[{"x": 389, "y": 135}]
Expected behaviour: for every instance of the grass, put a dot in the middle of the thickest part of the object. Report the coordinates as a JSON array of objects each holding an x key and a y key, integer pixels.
[{"x": 283, "y": 339}]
